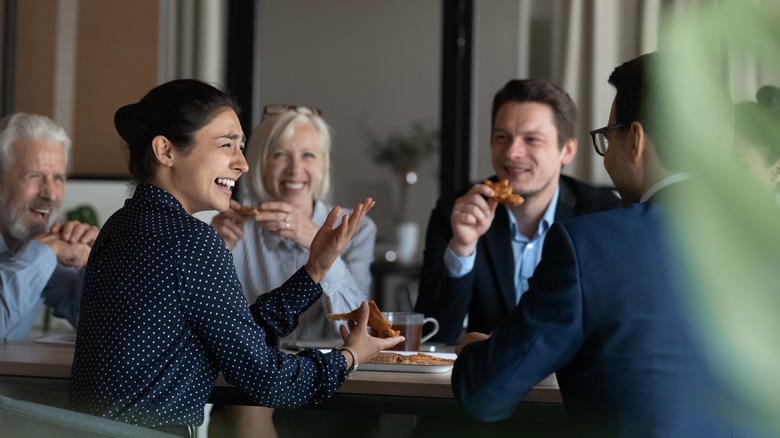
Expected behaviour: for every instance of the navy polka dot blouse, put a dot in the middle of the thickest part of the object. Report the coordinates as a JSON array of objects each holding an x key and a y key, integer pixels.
[{"x": 163, "y": 312}]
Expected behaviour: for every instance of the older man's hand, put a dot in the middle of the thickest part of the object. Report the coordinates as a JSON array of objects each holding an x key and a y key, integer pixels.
[
  {"x": 74, "y": 255},
  {"x": 76, "y": 232}
]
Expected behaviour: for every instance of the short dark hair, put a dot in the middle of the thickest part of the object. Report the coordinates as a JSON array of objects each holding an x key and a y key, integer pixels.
[
  {"x": 657, "y": 89},
  {"x": 540, "y": 91},
  {"x": 175, "y": 110},
  {"x": 759, "y": 122}
]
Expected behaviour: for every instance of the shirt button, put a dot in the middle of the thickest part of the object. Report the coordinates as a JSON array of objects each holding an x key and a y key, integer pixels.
[{"x": 530, "y": 246}]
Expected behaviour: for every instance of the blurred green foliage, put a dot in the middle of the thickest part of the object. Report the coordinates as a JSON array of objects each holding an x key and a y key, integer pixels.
[
  {"x": 730, "y": 232},
  {"x": 405, "y": 151},
  {"x": 83, "y": 213}
]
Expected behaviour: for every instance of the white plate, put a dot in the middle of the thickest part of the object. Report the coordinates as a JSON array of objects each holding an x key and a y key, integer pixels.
[{"x": 409, "y": 368}]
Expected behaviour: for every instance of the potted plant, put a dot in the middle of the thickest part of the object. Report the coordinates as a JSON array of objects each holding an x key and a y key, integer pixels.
[{"x": 405, "y": 153}]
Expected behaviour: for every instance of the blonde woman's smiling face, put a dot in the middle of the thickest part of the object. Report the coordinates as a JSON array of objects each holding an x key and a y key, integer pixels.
[{"x": 295, "y": 166}]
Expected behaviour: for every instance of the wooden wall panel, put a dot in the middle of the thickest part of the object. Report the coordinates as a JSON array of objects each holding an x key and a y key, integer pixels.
[
  {"x": 116, "y": 65},
  {"x": 36, "y": 32}
]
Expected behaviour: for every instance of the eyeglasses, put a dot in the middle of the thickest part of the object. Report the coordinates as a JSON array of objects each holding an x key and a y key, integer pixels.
[
  {"x": 272, "y": 110},
  {"x": 599, "y": 136}
]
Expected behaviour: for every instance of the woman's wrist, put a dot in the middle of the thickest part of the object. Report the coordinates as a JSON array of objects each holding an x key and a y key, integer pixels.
[
  {"x": 349, "y": 354},
  {"x": 315, "y": 274}
]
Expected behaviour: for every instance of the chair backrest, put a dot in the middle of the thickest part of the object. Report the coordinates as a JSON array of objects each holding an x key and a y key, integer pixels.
[{"x": 20, "y": 418}]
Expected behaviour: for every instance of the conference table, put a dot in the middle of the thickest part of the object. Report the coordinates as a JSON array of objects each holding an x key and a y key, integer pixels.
[{"x": 47, "y": 366}]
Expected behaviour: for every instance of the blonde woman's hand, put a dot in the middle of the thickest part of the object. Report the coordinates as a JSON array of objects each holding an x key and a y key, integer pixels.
[
  {"x": 329, "y": 242},
  {"x": 230, "y": 224},
  {"x": 285, "y": 220}
]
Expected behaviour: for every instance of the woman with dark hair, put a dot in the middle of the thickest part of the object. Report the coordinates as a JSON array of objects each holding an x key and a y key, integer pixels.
[
  {"x": 163, "y": 311},
  {"x": 757, "y": 136}
]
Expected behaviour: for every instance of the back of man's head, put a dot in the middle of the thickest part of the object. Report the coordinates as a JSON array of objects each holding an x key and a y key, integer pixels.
[
  {"x": 544, "y": 92},
  {"x": 681, "y": 105},
  {"x": 32, "y": 126}
]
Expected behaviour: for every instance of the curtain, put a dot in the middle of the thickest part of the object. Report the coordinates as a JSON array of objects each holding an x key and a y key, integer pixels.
[{"x": 192, "y": 40}]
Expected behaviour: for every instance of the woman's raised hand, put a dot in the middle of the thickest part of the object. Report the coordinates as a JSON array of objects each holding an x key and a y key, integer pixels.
[{"x": 329, "y": 242}]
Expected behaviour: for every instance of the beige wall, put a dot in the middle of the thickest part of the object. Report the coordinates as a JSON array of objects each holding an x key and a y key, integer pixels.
[
  {"x": 117, "y": 64},
  {"x": 370, "y": 62},
  {"x": 35, "y": 49}
]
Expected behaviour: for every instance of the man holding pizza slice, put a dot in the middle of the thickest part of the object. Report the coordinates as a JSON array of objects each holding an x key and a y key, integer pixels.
[{"x": 479, "y": 254}]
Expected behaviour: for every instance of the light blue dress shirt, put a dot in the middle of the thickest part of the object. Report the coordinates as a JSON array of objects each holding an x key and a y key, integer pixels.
[
  {"x": 28, "y": 279},
  {"x": 527, "y": 252}
]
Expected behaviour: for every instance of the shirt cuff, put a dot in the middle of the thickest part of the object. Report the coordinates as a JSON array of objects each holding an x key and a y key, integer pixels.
[
  {"x": 38, "y": 253},
  {"x": 456, "y": 265}
]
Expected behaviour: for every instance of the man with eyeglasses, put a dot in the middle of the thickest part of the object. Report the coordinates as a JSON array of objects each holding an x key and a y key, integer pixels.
[
  {"x": 478, "y": 255},
  {"x": 609, "y": 307}
]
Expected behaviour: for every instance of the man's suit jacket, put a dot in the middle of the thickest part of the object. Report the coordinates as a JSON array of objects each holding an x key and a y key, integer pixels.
[
  {"x": 487, "y": 293},
  {"x": 609, "y": 309}
]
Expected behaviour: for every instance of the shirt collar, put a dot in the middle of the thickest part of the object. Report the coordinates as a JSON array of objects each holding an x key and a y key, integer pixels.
[
  {"x": 145, "y": 191},
  {"x": 664, "y": 182},
  {"x": 547, "y": 219}
]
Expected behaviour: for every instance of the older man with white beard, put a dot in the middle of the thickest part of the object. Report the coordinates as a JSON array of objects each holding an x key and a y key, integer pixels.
[{"x": 40, "y": 261}]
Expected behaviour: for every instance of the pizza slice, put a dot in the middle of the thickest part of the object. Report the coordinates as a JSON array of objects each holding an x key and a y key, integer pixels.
[
  {"x": 376, "y": 320},
  {"x": 504, "y": 193},
  {"x": 248, "y": 210}
]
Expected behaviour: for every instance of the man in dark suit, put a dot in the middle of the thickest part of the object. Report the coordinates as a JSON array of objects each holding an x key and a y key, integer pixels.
[
  {"x": 610, "y": 306},
  {"x": 478, "y": 256}
]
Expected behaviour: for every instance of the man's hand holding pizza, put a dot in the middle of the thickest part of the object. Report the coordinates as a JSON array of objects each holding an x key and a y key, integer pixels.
[
  {"x": 471, "y": 217},
  {"x": 473, "y": 213}
]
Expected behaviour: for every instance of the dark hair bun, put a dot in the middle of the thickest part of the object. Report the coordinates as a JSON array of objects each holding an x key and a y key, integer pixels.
[
  {"x": 125, "y": 121},
  {"x": 769, "y": 97}
]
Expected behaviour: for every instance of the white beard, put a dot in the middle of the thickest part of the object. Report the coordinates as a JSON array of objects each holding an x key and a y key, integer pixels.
[{"x": 16, "y": 226}]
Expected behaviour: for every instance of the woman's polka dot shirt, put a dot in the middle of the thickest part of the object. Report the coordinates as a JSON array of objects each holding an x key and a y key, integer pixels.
[{"x": 163, "y": 313}]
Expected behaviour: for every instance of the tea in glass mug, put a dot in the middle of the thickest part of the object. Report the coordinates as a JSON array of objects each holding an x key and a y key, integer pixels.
[{"x": 411, "y": 326}]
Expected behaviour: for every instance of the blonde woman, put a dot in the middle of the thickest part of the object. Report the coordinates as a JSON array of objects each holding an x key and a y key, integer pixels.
[{"x": 287, "y": 183}]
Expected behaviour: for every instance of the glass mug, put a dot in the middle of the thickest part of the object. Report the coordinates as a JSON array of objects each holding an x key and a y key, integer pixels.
[{"x": 411, "y": 326}]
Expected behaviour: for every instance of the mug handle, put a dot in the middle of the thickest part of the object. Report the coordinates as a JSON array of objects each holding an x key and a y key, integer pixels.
[{"x": 433, "y": 332}]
